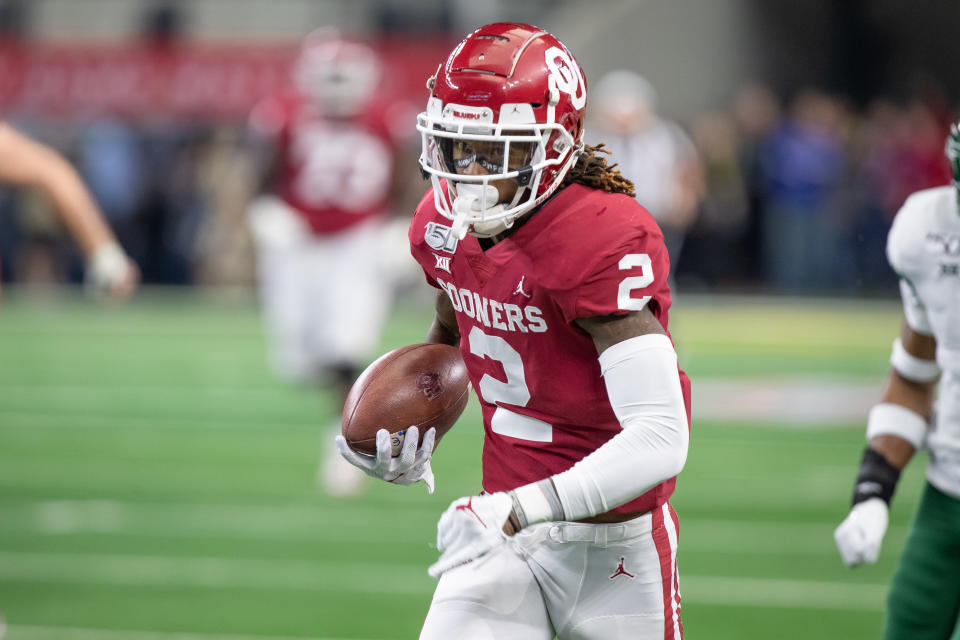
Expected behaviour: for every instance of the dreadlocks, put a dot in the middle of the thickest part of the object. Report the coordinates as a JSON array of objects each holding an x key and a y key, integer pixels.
[{"x": 592, "y": 170}]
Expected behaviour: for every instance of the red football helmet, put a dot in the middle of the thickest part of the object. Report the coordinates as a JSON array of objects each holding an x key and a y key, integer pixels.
[
  {"x": 510, "y": 98},
  {"x": 338, "y": 74}
]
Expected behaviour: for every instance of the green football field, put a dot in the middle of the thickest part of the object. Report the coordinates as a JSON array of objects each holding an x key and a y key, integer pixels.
[{"x": 156, "y": 483}]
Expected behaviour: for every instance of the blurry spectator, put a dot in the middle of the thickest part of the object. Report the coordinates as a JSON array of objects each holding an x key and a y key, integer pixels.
[
  {"x": 174, "y": 204},
  {"x": 756, "y": 111},
  {"x": 802, "y": 163},
  {"x": 318, "y": 226},
  {"x": 110, "y": 160},
  {"x": 877, "y": 152},
  {"x": 27, "y": 163},
  {"x": 651, "y": 151},
  {"x": 922, "y": 165},
  {"x": 898, "y": 151},
  {"x": 13, "y": 19},
  {"x": 228, "y": 179},
  {"x": 715, "y": 246},
  {"x": 162, "y": 24}
]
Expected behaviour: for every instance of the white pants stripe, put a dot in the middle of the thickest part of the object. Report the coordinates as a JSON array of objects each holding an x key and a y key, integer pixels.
[{"x": 665, "y": 519}]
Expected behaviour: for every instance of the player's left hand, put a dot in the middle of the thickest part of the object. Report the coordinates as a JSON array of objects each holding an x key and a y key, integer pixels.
[
  {"x": 860, "y": 535},
  {"x": 469, "y": 529}
]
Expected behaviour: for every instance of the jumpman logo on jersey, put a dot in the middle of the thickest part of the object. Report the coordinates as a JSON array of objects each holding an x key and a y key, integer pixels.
[
  {"x": 621, "y": 571},
  {"x": 469, "y": 507},
  {"x": 520, "y": 288}
]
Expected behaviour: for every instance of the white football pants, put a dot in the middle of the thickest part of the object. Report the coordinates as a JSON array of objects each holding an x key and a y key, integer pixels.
[
  {"x": 325, "y": 298},
  {"x": 569, "y": 580}
]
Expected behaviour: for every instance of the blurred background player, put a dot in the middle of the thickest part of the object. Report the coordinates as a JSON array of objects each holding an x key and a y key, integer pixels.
[
  {"x": 27, "y": 163},
  {"x": 318, "y": 227},
  {"x": 924, "y": 249},
  {"x": 553, "y": 283},
  {"x": 653, "y": 152}
]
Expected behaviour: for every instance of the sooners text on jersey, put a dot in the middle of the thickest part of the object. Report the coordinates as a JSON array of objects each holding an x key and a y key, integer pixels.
[{"x": 585, "y": 253}]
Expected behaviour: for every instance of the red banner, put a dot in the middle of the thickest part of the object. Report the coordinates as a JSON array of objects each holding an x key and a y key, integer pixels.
[{"x": 207, "y": 81}]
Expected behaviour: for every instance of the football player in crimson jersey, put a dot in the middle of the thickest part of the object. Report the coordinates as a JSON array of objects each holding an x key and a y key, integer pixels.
[
  {"x": 319, "y": 226},
  {"x": 553, "y": 282},
  {"x": 924, "y": 249}
]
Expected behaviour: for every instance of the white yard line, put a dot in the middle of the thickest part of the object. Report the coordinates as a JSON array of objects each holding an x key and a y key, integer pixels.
[
  {"x": 799, "y": 401},
  {"x": 32, "y": 632},
  {"x": 780, "y": 400},
  {"x": 388, "y": 579},
  {"x": 213, "y": 573},
  {"x": 73, "y": 420},
  {"x": 64, "y": 517},
  {"x": 356, "y": 525},
  {"x": 783, "y": 594}
]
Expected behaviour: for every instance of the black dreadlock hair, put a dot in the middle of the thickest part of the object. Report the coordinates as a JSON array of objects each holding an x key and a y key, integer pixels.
[{"x": 592, "y": 170}]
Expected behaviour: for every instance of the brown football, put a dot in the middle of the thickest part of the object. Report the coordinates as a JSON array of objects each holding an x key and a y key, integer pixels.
[{"x": 422, "y": 385}]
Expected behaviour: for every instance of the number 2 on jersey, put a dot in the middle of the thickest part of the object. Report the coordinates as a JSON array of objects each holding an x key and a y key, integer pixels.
[
  {"x": 513, "y": 391},
  {"x": 645, "y": 279}
]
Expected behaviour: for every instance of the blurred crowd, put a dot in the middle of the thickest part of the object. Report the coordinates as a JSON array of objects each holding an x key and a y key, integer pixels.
[
  {"x": 770, "y": 193},
  {"x": 799, "y": 195}
]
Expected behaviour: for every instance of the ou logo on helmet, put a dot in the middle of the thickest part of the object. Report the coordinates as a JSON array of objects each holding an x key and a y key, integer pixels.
[{"x": 567, "y": 75}]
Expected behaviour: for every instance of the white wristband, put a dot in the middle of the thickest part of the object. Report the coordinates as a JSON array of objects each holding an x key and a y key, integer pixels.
[
  {"x": 892, "y": 419},
  {"x": 536, "y": 502},
  {"x": 911, "y": 367}
]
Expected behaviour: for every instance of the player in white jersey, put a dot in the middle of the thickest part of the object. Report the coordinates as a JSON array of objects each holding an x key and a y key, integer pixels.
[
  {"x": 924, "y": 249},
  {"x": 25, "y": 162}
]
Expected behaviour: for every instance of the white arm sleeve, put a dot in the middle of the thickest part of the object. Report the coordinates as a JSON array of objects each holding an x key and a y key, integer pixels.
[{"x": 643, "y": 384}]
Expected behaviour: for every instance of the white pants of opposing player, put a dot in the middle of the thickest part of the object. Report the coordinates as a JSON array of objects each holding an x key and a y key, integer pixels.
[
  {"x": 569, "y": 580},
  {"x": 325, "y": 298}
]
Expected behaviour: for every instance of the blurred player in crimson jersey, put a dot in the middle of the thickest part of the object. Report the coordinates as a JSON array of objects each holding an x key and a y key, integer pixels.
[
  {"x": 553, "y": 282},
  {"x": 319, "y": 224}
]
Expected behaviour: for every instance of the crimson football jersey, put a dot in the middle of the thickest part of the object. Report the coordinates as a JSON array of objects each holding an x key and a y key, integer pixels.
[
  {"x": 335, "y": 172},
  {"x": 584, "y": 253}
]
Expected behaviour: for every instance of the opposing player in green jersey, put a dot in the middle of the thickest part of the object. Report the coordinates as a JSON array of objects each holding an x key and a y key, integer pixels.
[{"x": 924, "y": 249}]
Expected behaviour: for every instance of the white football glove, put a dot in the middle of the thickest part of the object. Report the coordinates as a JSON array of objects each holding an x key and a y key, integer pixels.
[
  {"x": 469, "y": 529},
  {"x": 859, "y": 536},
  {"x": 110, "y": 272},
  {"x": 412, "y": 465}
]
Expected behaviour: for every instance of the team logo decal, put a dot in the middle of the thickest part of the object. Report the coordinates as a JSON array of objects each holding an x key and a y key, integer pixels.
[
  {"x": 621, "y": 571},
  {"x": 948, "y": 244},
  {"x": 567, "y": 75},
  {"x": 439, "y": 238},
  {"x": 443, "y": 262},
  {"x": 519, "y": 290}
]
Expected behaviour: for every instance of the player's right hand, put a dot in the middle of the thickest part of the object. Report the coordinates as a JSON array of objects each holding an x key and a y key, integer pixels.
[
  {"x": 412, "y": 465},
  {"x": 860, "y": 535}
]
